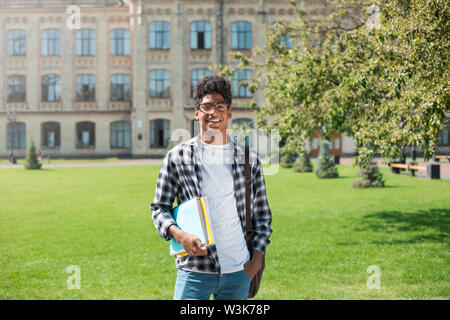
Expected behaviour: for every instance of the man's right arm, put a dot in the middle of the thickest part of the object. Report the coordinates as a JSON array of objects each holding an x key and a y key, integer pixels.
[{"x": 161, "y": 207}]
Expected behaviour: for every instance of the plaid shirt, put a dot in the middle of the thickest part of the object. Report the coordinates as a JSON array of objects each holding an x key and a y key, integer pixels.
[{"x": 181, "y": 177}]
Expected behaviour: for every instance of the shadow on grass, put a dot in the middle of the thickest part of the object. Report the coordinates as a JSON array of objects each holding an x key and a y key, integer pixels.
[{"x": 431, "y": 225}]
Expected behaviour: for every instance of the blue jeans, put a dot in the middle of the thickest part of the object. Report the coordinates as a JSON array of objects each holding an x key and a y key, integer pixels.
[{"x": 199, "y": 286}]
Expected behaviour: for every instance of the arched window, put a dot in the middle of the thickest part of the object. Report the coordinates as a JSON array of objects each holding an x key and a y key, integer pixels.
[
  {"x": 159, "y": 133},
  {"x": 159, "y": 84},
  {"x": 120, "y": 42},
  {"x": 85, "y": 133},
  {"x": 120, "y": 134},
  {"x": 241, "y": 35},
  {"x": 51, "y": 42},
  {"x": 50, "y": 134},
  {"x": 16, "y": 135},
  {"x": 159, "y": 35},
  {"x": 201, "y": 35},
  {"x": 17, "y": 88}
]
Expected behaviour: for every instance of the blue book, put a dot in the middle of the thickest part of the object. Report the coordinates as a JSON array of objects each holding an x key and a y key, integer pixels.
[{"x": 192, "y": 216}]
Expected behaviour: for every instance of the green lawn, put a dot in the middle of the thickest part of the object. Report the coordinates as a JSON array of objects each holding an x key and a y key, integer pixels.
[{"x": 326, "y": 235}]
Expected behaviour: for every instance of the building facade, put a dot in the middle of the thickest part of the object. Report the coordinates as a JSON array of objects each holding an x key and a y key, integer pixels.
[{"x": 115, "y": 77}]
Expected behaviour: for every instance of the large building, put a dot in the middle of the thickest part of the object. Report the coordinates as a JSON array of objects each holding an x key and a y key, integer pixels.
[{"x": 115, "y": 77}]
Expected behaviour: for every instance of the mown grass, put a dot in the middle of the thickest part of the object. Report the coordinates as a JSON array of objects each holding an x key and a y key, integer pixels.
[{"x": 326, "y": 235}]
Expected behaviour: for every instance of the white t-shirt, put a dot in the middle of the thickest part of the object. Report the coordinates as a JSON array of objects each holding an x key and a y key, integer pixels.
[{"x": 218, "y": 187}]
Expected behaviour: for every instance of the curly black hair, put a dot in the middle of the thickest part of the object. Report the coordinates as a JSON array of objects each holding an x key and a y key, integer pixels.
[{"x": 212, "y": 84}]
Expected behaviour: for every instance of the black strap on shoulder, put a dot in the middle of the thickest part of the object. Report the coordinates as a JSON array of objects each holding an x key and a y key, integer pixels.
[{"x": 248, "y": 214}]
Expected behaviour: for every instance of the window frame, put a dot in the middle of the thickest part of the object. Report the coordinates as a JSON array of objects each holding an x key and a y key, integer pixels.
[
  {"x": 125, "y": 94},
  {"x": 52, "y": 82},
  {"x": 85, "y": 40},
  {"x": 120, "y": 128},
  {"x": 159, "y": 35},
  {"x": 241, "y": 35},
  {"x": 20, "y": 82},
  {"x": 17, "y": 43},
  {"x": 204, "y": 28},
  {"x": 51, "y": 38},
  {"x": 119, "y": 42},
  {"x": 161, "y": 82}
]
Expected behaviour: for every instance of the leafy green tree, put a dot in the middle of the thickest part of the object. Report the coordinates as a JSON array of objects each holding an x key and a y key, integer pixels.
[
  {"x": 325, "y": 165},
  {"x": 31, "y": 161},
  {"x": 376, "y": 71}
]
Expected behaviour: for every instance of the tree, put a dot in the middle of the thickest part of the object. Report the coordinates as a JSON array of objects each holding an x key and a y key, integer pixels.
[
  {"x": 31, "y": 161},
  {"x": 369, "y": 176},
  {"x": 377, "y": 73},
  {"x": 325, "y": 166},
  {"x": 303, "y": 163}
]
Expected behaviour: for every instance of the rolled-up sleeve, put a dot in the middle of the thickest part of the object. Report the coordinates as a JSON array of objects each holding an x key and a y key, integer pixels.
[
  {"x": 262, "y": 216},
  {"x": 161, "y": 207}
]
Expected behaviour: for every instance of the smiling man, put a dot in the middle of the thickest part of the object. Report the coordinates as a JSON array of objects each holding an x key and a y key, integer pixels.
[{"x": 208, "y": 165}]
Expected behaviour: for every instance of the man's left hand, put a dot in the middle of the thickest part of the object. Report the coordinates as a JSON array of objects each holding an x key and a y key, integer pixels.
[{"x": 252, "y": 267}]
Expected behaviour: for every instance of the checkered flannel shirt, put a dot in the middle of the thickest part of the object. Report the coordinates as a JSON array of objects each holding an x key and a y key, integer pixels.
[{"x": 181, "y": 177}]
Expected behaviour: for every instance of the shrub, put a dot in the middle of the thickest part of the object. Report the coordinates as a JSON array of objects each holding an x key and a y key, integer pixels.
[
  {"x": 303, "y": 163},
  {"x": 369, "y": 177},
  {"x": 287, "y": 159},
  {"x": 325, "y": 165},
  {"x": 31, "y": 161}
]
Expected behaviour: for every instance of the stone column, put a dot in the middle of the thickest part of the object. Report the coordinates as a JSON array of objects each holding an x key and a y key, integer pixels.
[
  {"x": 179, "y": 71},
  {"x": 139, "y": 125}
]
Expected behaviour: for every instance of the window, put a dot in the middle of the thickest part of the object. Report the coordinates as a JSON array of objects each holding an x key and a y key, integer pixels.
[
  {"x": 201, "y": 35},
  {"x": 285, "y": 38},
  {"x": 159, "y": 84},
  {"x": 239, "y": 90},
  {"x": 51, "y": 87},
  {"x": 85, "y": 42},
  {"x": 197, "y": 75},
  {"x": 195, "y": 128},
  {"x": 315, "y": 143},
  {"x": 17, "y": 43},
  {"x": 159, "y": 133},
  {"x": 16, "y": 88},
  {"x": 120, "y": 134},
  {"x": 241, "y": 35},
  {"x": 120, "y": 42},
  {"x": 120, "y": 87},
  {"x": 243, "y": 121},
  {"x": 85, "y": 134},
  {"x": 85, "y": 86},
  {"x": 51, "y": 42},
  {"x": 159, "y": 35},
  {"x": 50, "y": 134},
  {"x": 445, "y": 135},
  {"x": 16, "y": 135}
]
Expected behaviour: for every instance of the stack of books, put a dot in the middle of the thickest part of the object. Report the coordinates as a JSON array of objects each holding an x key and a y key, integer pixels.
[{"x": 193, "y": 217}]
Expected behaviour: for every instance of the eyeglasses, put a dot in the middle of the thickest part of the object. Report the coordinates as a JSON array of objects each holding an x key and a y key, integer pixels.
[{"x": 208, "y": 107}]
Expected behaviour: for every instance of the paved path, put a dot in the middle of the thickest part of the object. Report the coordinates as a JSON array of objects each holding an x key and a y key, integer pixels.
[
  {"x": 137, "y": 162},
  {"x": 445, "y": 165}
]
